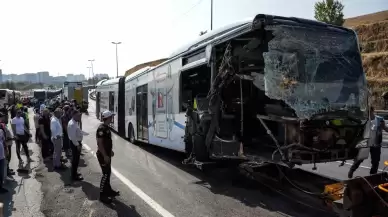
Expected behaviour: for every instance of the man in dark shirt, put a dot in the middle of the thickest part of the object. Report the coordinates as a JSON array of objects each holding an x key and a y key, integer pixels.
[
  {"x": 66, "y": 117},
  {"x": 104, "y": 154},
  {"x": 45, "y": 133}
]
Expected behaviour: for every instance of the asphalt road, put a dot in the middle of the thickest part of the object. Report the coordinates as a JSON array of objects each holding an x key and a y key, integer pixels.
[{"x": 153, "y": 182}]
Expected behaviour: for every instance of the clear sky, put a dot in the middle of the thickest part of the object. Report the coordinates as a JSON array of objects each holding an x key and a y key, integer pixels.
[{"x": 60, "y": 36}]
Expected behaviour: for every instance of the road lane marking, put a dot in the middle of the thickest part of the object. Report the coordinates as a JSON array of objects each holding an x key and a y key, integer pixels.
[
  {"x": 153, "y": 204},
  {"x": 365, "y": 167}
]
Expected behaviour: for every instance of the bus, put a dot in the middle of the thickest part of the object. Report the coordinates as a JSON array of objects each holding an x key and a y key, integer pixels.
[
  {"x": 283, "y": 89},
  {"x": 7, "y": 96}
]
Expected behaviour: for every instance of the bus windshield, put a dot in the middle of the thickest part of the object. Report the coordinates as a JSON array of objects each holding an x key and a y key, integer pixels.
[{"x": 315, "y": 70}]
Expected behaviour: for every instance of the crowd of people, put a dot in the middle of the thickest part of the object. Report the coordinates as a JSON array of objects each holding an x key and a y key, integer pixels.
[{"x": 56, "y": 132}]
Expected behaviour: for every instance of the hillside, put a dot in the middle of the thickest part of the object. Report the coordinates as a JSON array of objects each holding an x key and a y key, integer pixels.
[{"x": 372, "y": 31}]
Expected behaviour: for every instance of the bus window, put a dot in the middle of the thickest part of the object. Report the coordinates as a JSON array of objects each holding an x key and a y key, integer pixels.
[
  {"x": 3, "y": 94},
  {"x": 194, "y": 82}
]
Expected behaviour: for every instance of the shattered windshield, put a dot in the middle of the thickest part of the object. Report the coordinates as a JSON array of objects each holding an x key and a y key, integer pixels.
[{"x": 315, "y": 71}]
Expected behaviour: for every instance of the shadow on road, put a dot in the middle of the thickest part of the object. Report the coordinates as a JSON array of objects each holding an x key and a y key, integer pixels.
[
  {"x": 228, "y": 181},
  {"x": 6, "y": 199},
  {"x": 93, "y": 193}
]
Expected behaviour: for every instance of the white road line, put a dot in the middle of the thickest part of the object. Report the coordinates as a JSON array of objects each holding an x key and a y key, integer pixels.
[
  {"x": 153, "y": 204},
  {"x": 365, "y": 167}
]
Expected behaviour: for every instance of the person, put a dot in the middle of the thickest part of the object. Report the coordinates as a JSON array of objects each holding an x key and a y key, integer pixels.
[
  {"x": 8, "y": 141},
  {"x": 75, "y": 136},
  {"x": 104, "y": 154},
  {"x": 377, "y": 127},
  {"x": 3, "y": 150},
  {"x": 12, "y": 110},
  {"x": 36, "y": 123},
  {"x": 45, "y": 134},
  {"x": 56, "y": 138},
  {"x": 20, "y": 133},
  {"x": 66, "y": 117},
  {"x": 42, "y": 107}
]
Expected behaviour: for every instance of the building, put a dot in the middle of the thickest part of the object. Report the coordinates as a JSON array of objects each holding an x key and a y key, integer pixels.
[
  {"x": 43, "y": 77},
  {"x": 101, "y": 76}
]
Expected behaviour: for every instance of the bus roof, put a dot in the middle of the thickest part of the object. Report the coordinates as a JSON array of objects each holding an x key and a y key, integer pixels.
[
  {"x": 110, "y": 82},
  {"x": 138, "y": 72},
  {"x": 210, "y": 36},
  {"x": 100, "y": 82}
]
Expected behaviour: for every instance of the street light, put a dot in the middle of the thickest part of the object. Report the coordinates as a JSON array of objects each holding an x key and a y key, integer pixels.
[
  {"x": 91, "y": 63},
  {"x": 117, "y": 59},
  {"x": 89, "y": 72}
]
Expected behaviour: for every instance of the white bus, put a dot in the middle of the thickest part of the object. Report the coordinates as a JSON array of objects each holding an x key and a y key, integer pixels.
[
  {"x": 243, "y": 91},
  {"x": 7, "y": 97}
]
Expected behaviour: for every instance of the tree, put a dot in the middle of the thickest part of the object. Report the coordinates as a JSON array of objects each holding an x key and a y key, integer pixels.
[{"x": 329, "y": 11}]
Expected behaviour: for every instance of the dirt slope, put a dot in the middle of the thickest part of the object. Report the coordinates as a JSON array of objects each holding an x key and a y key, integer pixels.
[{"x": 372, "y": 31}]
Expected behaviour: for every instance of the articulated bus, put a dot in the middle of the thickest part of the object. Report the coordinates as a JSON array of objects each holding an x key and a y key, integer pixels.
[{"x": 269, "y": 72}]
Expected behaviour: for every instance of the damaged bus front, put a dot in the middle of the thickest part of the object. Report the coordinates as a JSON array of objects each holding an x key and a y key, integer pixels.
[{"x": 287, "y": 91}]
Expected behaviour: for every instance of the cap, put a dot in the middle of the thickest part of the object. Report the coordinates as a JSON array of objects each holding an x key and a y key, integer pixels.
[{"x": 107, "y": 114}]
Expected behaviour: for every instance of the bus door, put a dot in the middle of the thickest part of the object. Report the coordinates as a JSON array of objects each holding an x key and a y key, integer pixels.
[
  {"x": 111, "y": 106},
  {"x": 142, "y": 112},
  {"x": 98, "y": 96}
]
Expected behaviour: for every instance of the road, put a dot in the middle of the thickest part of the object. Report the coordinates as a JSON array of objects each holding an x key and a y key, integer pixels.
[{"x": 152, "y": 182}]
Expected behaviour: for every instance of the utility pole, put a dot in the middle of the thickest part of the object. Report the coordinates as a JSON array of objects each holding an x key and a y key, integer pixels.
[
  {"x": 89, "y": 73},
  {"x": 117, "y": 59},
  {"x": 211, "y": 15},
  {"x": 91, "y": 63}
]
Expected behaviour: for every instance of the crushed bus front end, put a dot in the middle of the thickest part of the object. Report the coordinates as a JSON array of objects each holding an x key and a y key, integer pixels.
[{"x": 289, "y": 91}]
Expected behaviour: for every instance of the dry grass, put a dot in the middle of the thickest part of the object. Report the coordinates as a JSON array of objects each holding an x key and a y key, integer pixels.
[
  {"x": 378, "y": 86},
  {"x": 366, "y": 19},
  {"x": 375, "y": 46},
  {"x": 372, "y": 32},
  {"x": 376, "y": 64}
]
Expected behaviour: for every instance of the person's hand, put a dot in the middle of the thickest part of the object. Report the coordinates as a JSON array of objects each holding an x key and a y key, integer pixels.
[
  {"x": 112, "y": 154},
  {"x": 16, "y": 137},
  {"x": 107, "y": 159}
]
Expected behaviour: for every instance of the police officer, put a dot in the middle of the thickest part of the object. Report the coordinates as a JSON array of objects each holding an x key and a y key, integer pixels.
[
  {"x": 104, "y": 154},
  {"x": 378, "y": 125}
]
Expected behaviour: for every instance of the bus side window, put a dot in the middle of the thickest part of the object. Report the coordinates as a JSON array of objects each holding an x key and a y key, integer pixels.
[{"x": 194, "y": 82}]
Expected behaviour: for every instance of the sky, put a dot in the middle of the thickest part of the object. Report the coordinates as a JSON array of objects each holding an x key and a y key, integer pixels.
[{"x": 61, "y": 36}]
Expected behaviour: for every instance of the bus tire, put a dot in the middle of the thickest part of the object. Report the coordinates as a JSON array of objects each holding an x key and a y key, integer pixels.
[
  {"x": 200, "y": 150},
  {"x": 131, "y": 134}
]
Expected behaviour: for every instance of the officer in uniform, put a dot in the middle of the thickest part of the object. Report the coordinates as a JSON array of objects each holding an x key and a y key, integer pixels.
[{"x": 104, "y": 154}]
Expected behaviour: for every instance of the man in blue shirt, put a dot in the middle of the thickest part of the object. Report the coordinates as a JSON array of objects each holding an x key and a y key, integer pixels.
[{"x": 378, "y": 125}]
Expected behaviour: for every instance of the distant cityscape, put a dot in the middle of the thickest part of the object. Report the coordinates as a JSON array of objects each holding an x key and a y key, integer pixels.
[{"x": 45, "y": 77}]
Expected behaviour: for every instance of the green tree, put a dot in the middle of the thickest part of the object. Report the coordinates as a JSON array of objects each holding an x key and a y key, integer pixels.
[{"x": 329, "y": 11}]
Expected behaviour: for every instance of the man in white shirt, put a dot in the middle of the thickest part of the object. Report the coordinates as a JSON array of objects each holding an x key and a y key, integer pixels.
[
  {"x": 56, "y": 138},
  {"x": 75, "y": 136},
  {"x": 21, "y": 134}
]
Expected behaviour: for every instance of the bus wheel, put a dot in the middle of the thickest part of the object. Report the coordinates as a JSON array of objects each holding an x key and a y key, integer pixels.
[{"x": 131, "y": 134}]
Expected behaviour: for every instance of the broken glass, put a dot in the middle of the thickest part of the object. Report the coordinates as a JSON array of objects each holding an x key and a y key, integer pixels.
[{"x": 315, "y": 70}]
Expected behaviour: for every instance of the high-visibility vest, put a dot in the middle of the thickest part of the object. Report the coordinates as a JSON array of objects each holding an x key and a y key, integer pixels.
[{"x": 195, "y": 103}]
